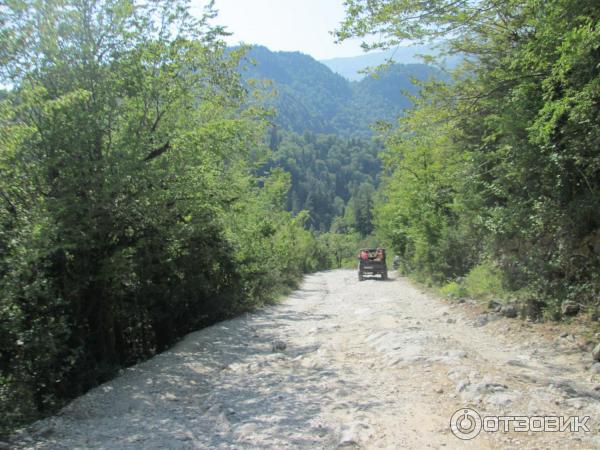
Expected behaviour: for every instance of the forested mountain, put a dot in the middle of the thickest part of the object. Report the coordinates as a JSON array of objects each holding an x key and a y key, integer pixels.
[
  {"x": 322, "y": 135},
  {"x": 382, "y": 98},
  {"x": 327, "y": 171},
  {"x": 308, "y": 96},
  {"x": 307, "y": 93}
]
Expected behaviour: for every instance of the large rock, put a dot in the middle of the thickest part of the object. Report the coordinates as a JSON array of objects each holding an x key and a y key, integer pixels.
[
  {"x": 495, "y": 305},
  {"x": 509, "y": 311},
  {"x": 569, "y": 308},
  {"x": 532, "y": 309},
  {"x": 353, "y": 435},
  {"x": 489, "y": 386},
  {"x": 596, "y": 353},
  {"x": 279, "y": 346},
  {"x": 481, "y": 320}
]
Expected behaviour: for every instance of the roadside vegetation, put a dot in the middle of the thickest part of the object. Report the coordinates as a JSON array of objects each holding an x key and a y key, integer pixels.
[
  {"x": 131, "y": 212},
  {"x": 494, "y": 178}
]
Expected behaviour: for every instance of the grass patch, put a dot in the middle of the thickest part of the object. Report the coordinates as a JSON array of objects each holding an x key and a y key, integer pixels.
[
  {"x": 453, "y": 290},
  {"x": 483, "y": 282}
]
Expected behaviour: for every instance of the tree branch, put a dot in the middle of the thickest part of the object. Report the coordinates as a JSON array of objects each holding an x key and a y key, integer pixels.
[
  {"x": 10, "y": 205},
  {"x": 158, "y": 151}
]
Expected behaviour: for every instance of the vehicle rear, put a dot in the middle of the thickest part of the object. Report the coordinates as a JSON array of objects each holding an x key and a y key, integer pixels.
[{"x": 371, "y": 262}]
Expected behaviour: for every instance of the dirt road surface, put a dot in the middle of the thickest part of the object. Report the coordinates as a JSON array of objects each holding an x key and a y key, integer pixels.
[{"x": 339, "y": 364}]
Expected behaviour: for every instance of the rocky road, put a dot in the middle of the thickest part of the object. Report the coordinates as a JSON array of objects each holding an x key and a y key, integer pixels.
[{"x": 339, "y": 364}]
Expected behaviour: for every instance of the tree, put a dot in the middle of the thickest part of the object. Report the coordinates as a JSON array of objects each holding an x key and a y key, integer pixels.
[{"x": 363, "y": 208}]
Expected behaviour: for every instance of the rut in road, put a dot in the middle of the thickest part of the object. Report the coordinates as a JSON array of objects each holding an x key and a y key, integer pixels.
[{"x": 338, "y": 363}]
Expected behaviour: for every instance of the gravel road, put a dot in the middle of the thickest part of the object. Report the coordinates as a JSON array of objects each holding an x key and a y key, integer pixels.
[{"x": 337, "y": 364}]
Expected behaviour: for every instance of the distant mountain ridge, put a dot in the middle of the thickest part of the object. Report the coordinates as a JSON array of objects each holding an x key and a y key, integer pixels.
[
  {"x": 351, "y": 67},
  {"x": 311, "y": 97}
]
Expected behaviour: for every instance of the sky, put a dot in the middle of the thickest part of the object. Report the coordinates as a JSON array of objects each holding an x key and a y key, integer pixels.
[{"x": 290, "y": 25}]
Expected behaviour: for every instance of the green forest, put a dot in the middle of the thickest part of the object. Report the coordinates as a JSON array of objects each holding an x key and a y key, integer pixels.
[{"x": 154, "y": 181}]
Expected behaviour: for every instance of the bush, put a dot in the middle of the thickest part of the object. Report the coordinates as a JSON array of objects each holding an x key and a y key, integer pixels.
[
  {"x": 484, "y": 281},
  {"x": 453, "y": 290}
]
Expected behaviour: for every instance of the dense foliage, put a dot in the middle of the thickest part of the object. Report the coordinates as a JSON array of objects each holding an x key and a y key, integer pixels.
[
  {"x": 501, "y": 168},
  {"x": 328, "y": 174},
  {"x": 129, "y": 212}
]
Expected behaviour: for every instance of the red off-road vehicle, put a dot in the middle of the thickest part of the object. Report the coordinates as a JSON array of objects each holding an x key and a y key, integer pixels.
[{"x": 371, "y": 261}]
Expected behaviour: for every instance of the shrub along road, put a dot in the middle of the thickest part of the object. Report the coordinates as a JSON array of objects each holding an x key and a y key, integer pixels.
[{"x": 338, "y": 363}]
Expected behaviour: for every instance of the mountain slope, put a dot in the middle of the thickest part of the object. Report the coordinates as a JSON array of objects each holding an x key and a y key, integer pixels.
[
  {"x": 382, "y": 97},
  {"x": 311, "y": 97},
  {"x": 308, "y": 93}
]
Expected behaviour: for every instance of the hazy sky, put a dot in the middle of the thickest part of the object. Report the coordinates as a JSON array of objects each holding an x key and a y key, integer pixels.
[{"x": 291, "y": 25}]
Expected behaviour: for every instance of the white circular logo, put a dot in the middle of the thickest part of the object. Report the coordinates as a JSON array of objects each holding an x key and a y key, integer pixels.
[{"x": 465, "y": 424}]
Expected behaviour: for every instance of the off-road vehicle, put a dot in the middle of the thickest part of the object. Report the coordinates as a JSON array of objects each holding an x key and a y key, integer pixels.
[{"x": 371, "y": 261}]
